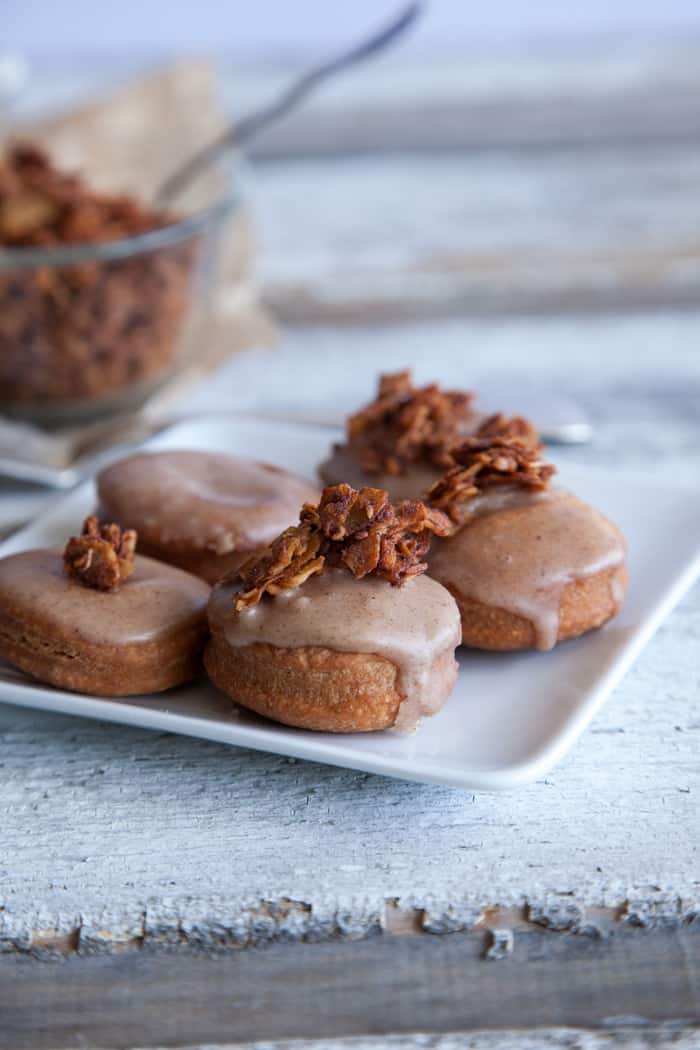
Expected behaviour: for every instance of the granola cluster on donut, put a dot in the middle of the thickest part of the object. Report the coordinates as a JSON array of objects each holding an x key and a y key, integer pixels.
[
  {"x": 528, "y": 565},
  {"x": 102, "y": 556},
  {"x": 406, "y": 424},
  {"x": 361, "y": 531},
  {"x": 401, "y": 440},
  {"x": 510, "y": 428},
  {"x": 484, "y": 462}
]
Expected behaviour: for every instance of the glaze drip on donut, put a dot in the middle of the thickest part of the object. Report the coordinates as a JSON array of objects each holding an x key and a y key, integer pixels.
[
  {"x": 416, "y": 627},
  {"x": 518, "y": 550}
]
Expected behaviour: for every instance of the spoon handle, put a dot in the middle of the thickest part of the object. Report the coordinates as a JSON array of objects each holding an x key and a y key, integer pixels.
[{"x": 249, "y": 126}]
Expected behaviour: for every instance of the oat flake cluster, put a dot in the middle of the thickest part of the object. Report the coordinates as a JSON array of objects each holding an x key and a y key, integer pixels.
[
  {"x": 484, "y": 462},
  {"x": 359, "y": 530},
  {"x": 102, "y": 557},
  {"x": 406, "y": 424}
]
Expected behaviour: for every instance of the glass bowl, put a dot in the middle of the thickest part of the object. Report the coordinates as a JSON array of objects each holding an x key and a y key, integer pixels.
[{"x": 88, "y": 330}]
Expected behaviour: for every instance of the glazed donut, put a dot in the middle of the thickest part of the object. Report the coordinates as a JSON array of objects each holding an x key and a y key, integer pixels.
[
  {"x": 534, "y": 574},
  {"x": 203, "y": 511},
  {"x": 340, "y": 655},
  {"x": 528, "y": 565},
  {"x": 142, "y": 638},
  {"x": 315, "y": 635}
]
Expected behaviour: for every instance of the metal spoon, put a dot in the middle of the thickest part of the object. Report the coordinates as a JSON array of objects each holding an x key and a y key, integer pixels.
[{"x": 246, "y": 128}]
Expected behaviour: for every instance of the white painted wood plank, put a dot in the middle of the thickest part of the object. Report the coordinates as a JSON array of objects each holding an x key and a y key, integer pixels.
[
  {"x": 656, "y": 1038},
  {"x": 307, "y": 29},
  {"x": 474, "y": 92},
  {"x": 381, "y": 238}
]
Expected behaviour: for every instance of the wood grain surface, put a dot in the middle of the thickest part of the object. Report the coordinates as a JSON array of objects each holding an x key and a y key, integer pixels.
[
  {"x": 542, "y": 179},
  {"x": 589, "y": 91},
  {"x": 551, "y": 230},
  {"x": 373, "y": 987}
]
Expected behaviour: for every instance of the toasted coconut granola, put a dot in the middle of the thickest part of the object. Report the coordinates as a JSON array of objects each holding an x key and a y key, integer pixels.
[
  {"x": 509, "y": 428},
  {"x": 102, "y": 557},
  {"x": 358, "y": 530},
  {"x": 483, "y": 462},
  {"x": 405, "y": 424},
  {"x": 41, "y": 205}
]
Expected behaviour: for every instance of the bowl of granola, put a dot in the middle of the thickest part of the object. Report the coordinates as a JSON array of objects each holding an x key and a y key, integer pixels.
[{"x": 102, "y": 297}]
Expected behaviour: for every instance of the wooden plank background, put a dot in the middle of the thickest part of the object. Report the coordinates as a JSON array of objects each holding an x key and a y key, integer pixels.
[{"x": 392, "y": 985}]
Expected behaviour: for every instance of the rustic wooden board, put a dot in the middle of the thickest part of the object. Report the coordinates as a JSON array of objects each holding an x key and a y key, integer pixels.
[
  {"x": 584, "y": 91},
  {"x": 654, "y": 1037},
  {"x": 376, "y": 239},
  {"x": 531, "y": 179},
  {"x": 375, "y": 987}
]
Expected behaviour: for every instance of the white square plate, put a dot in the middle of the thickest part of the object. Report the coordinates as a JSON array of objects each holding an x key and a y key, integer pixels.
[{"x": 510, "y": 718}]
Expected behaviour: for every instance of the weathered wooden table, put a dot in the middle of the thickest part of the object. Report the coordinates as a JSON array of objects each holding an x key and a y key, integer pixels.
[{"x": 161, "y": 891}]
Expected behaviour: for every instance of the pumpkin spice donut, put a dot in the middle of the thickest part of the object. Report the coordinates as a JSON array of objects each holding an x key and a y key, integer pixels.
[
  {"x": 336, "y": 628},
  {"x": 400, "y": 442},
  {"x": 97, "y": 619},
  {"x": 528, "y": 565},
  {"x": 203, "y": 511}
]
